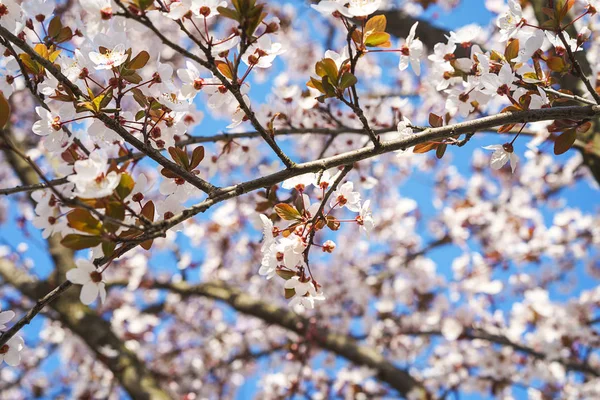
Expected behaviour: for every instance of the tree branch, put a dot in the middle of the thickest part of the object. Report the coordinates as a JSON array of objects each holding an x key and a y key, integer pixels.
[
  {"x": 339, "y": 344},
  {"x": 107, "y": 120},
  {"x": 92, "y": 329}
]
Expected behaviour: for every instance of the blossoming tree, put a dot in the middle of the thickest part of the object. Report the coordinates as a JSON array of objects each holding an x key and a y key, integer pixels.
[{"x": 131, "y": 227}]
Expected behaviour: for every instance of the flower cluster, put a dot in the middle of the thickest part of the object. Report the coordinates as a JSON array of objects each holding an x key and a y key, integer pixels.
[
  {"x": 285, "y": 249},
  {"x": 10, "y": 352}
]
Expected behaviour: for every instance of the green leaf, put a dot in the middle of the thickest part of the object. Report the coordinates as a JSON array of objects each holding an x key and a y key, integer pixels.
[
  {"x": 316, "y": 84},
  {"x": 117, "y": 211},
  {"x": 132, "y": 78},
  {"x": 30, "y": 65},
  {"x": 108, "y": 247},
  {"x": 331, "y": 70},
  {"x": 139, "y": 97},
  {"x": 347, "y": 80},
  {"x": 79, "y": 242},
  {"x": 287, "y": 212},
  {"x": 64, "y": 35},
  {"x": 565, "y": 141},
  {"x": 285, "y": 274},
  {"x": 145, "y": 4},
  {"x": 378, "y": 39},
  {"x": 83, "y": 220},
  {"x": 125, "y": 187},
  {"x": 328, "y": 88},
  {"x": 54, "y": 27},
  {"x": 512, "y": 49},
  {"x": 229, "y": 13},
  {"x": 376, "y": 23},
  {"x": 289, "y": 293}
]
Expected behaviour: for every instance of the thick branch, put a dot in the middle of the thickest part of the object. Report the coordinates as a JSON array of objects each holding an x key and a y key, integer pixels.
[
  {"x": 471, "y": 334},
  {"x": 339, "y": 344},
  {"x": 232, "y": 87},
  {"x": 91, "y": 328},
  {"x": 430, "y": 134}
]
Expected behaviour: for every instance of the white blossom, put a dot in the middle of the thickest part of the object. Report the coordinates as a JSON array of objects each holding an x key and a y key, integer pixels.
[
  {"x": 503, "y": 153},
  {"x": 87, "y": 275},
  {"x": 411, "y": 52}
]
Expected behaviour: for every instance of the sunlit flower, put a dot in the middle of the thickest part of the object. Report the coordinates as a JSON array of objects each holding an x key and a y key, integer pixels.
[
  {"x": 92, "y": 179},
  {"x": 5, "y": 316},
  {"x": 305, "y": 293},
  {"x": 109, "y": 58},
  {"x": 510, "y": 21},
  {"x": 411, "y": 52},
  {"x": 503, "y": 153},
  {"x": 345, "y": 196},
  {"x": 90, "y": 277},
  {"x": 11, "y": 351}
]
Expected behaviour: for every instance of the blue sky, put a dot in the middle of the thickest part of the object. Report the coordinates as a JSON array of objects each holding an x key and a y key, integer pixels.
[{"x": 469, "y": 11}]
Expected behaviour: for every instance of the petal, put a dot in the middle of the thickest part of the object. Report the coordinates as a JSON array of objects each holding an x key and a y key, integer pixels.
[
  {"x": 514, "y": 159},
  {"x": 12, "y": 357},
  {"x": 416, "y": 66},
  {"x": 78, "y": 276},
  {"x": 493, "y": 147},
  {"x": 499, "y": 158},
  {"x": 6, "y": 316},
  {"x": 85, "y": 265},
  {"x": 291, "y": 283},
  {"x": 403, "y": 63},
  {"x": 89, "y": 292}
]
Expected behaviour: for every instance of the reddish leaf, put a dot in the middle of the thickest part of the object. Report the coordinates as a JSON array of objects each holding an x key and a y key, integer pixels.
[
  {"x": 424, "y": 147},
  {"x": 565, "y": 141},
  {"x": 148, "y": 211},
  {"x": 139, "y": 61},
  {"x": 439, "y": 152},
  {"x": 197, "y": 157},
  {"x": 4, "y": 110},
  {"x": 435, "y": 120}
]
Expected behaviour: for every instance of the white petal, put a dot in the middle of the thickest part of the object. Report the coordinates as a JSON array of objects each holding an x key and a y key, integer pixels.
[
  {"x": 85, "y": 265},
  {"x": 89, "y": 292},
  {"x": 451, "y": 329},
  {"x": 78, "y": 276},
  {"x": 514, "y": 159},
  {"x": 6, "y": 316},
  {"x": 499, "y": 158},
  {"x": 12, "y": 358}
]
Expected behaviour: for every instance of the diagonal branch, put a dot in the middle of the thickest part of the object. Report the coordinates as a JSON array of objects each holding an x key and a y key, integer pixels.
[
  {"x": 472, "y": 334},
  {"x": 131, "y": 372},
  {"x": 111, "y": 123},
  {"x": 337, "y": 343},
  {"x": 209, "y": 63}
]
